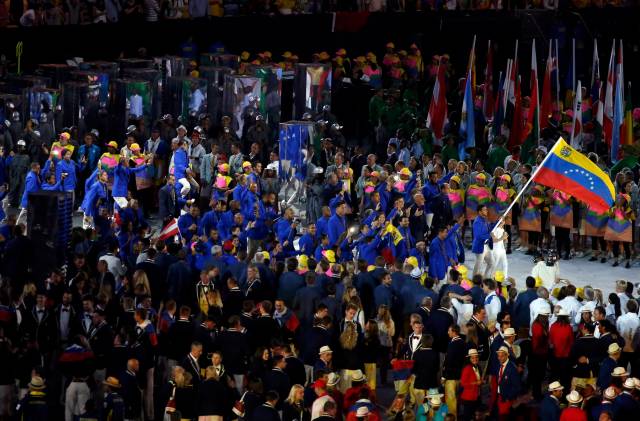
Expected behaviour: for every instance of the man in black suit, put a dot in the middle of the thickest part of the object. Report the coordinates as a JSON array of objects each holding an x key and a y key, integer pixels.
[
  {"x": 235, "y": 350},
  {"x": 85, "y": 318},
  {"x": 154, "y": 273},
  {"x": 131, "y": 391},
  {"x": 277, "y": 379},
  {"x": 40, "y": 326},
  {"x": 426, "y": 364},
  {"x": 305, "y": 301},
  {"x": 101, "y": 343},
  {"x": 67, "y": 324},
  {"x": 191, "y": 363},
  {"x": 265, "y": 328},
  {"x": 233, "y": 299},
  {"x": 267, "y": 411},
  {"x": 438, "y": 325},
  {"x": 479, "y": 314},
  {"x": 319, "y": 336},
  {"x": 207, "y": 334},
  {"x": 453, "y": 363},
  {"x": 167, "y": 201},
  {"x": 295, "y": 367},
  {"x": 181, "y": 335}
]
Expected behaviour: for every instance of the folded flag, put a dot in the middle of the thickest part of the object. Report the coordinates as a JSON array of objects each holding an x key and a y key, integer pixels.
[{"x": 170, "y": 230}]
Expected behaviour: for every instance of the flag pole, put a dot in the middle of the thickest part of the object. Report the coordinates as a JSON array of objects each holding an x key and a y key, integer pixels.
[{"x": 526, "y": 185}]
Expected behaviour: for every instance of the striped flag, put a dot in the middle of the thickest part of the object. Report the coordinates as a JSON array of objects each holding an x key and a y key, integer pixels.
[
  {"x": 546, "y": 106},
  {"x": 467, "y": 121},
  {"x": 576, "y": 126},
  {"x": 618, "y": 116},
  {"x": 532, "y": 131},
  {"x": 437, "y": 117},
  {"x": 608, "y": 98},
  {"x": 170, "y": 230},
  {"x": 487, "y": 97}
]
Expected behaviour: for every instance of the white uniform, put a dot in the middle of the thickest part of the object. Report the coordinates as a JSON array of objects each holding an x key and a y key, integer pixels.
[{"x": 499, "y": 253}]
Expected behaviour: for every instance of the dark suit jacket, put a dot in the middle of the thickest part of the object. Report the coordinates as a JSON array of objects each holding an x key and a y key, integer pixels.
[
  {"x": 455, "y": 359},
  {"x": 279, "y": 381},
  {"x": 181, "y": 335},
  {"x": 438, "y": 326},
  {"x": 549, "y": 409},
  {"x": 510, "y": 383},
  {"x": 167, "y": 204},
  {"x": 295, "y": 370},
  {"x": 265, "y": 413},
  {"x": 101, "y": 341},
  {"x": 425, "y": 367},
  {"x": 190, "y": 366},
  {"x": 235, "y": 351}
]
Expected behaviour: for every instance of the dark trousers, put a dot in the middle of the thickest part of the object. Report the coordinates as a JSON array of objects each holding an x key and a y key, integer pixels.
[
  {"x": 563, "y": 241},
  {"x": 468, "y": 410},
  {"x": 598, "y": 243},
  {"x": 627, "y": 249},
  {"x": 537, "y": 370}
]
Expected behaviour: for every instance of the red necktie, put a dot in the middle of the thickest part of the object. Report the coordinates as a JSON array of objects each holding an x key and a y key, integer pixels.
[{"x": 500, "y": 374}]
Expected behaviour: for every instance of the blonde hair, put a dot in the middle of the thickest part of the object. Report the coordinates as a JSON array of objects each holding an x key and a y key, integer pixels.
[
  {"x": 210, "y": 373},
  {"x": 214, "y": 298},
  {"x": 292, "y": 393},
  {"x": 140, "y": 279}
]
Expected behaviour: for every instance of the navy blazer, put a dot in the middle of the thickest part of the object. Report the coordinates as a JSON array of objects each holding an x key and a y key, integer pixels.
[
  {"x": 625, "y": 407},
  {"x": 549, "y": 408},
  {"x": 167, "y": 204},
  {"x": 510, "y": 382}
]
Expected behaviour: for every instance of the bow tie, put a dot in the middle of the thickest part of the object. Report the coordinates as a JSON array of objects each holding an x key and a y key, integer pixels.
[
  {"x": 64, "y": 310},
  {"x": 87, "y": 316},
  {"x": 416, "y": 338},
  {"x": 40, "y": 311}
]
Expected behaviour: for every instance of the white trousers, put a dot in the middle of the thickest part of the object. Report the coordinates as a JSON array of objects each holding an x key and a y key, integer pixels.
[{"x": 485, "y": 257}]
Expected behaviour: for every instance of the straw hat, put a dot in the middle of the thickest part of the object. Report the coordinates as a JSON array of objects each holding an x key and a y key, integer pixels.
[
  {"x": 544, "y": 312},
  {"x": 357, "y": 376},
  {"x": 619, "y": 372},
  {"x": 333, "y": 379},
  {"x": 574, "y": 397},
  {"x": 472, "y": 352},
  {"x": 629, "y": 384},
  {"x": 555, "y": 386},
  {"x": 112, "y": 382},
  {"x": 509, "y": 332},
  {"x": 362, "y": 411},
  {"x": 563, "y": 312},
  {"x": 503, "y": 349},
  {"x": 609, "y": 393},
  {"x": 325, "y": 349},
  {"x": 614, "y": 348},
  {"x": 36, "y": 383}
]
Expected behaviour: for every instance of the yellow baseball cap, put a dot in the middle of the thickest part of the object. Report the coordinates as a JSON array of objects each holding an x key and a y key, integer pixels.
[{"x": 113, "y": 144}]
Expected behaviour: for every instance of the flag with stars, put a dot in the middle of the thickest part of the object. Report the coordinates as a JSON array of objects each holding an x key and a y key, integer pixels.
[{"x": 569, "y": 171}]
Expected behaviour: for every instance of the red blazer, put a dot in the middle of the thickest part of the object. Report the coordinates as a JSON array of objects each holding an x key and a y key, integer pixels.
[
  {"x": 561, "y": 338},
  {"x": 573, "y": 414},
  {"x": 470, "y": 391}
]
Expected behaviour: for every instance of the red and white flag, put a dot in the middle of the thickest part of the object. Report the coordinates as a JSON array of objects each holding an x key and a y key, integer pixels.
[
  {"x": 437, "y": 117},
  {"x": 170, "y": 230},
  {"x": 608, "y": 97},
  {"x": 576, "y": 129}
]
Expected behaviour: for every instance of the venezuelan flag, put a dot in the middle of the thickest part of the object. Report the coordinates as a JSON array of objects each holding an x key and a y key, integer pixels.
[{"x": 569, "y": 171}]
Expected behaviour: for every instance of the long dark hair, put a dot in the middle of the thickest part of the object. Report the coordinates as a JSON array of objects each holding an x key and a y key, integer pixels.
[{"x": 615, "y": 300}]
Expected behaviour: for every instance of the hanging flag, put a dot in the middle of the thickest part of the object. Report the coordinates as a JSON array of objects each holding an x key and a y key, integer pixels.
[
  {"x": 499, "y": 109},
  {"x": 437, "y": 117},
  {"x": 569, "y": 171},
  {"x": 618, "y": 116},
  {"x": 467, "y": 122},
  {"x": 607, "y": 123},
  {"x": 570, "y": 78},
  {"x": 627, "y": 136},
  {"x": 170, "y": 230},
  {"x": 515, "y": 135},
  {"x": 487, "y": 95},
  {"x": 555, "y": 80},
  {"x": 471, "y": 65},
  {"x": 593, "y": 97},
  {"x": 532, "y": 131},
  {"x": 546, "y": 105},
  {"x": 576, "y": 125}
]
